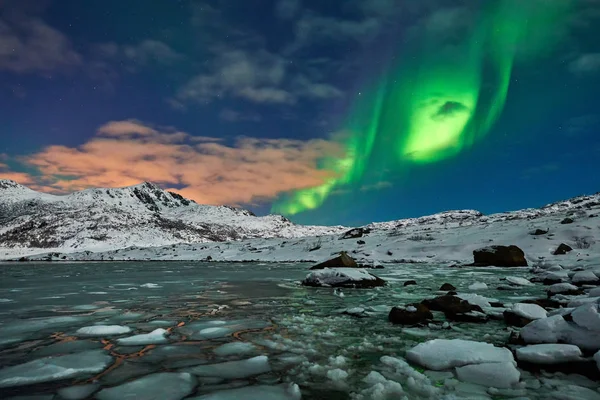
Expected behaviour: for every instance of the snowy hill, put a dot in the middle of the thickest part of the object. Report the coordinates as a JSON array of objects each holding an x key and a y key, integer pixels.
[
  {"x": 141, "y": 215},
  {"x": 146, "y": 223}
]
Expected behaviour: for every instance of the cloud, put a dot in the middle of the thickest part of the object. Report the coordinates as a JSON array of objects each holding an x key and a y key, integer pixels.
[
  {"x": 585, "y": 64},
  {"x": 128, "y": 152},
  {"x": 583, "y": 124},
  {"x": 287, "y": 9},
  {"x": 29, "y": 45},
  {"x": 236, "y": 116},
  {"x": 305, "y": 87},
  {"x": 255, "y": 76},
  {"x": 144, "y": 53}
]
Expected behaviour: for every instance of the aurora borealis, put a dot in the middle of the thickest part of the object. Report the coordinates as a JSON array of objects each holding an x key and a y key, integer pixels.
[
  {"x": 327, "y": 112},
  {"x": 444, "y": 98}
]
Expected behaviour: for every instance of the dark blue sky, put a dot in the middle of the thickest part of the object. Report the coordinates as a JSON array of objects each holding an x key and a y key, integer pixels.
[{"x": 237, "y": 102}]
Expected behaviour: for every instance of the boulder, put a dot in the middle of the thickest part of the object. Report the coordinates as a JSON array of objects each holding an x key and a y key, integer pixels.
[
  {"x": 585, "y": 278},
  {"x": 341, "y": 261},
  {"x": 355, "y": 233},
  {"x": 522, "y": 314},
  {"x": 500, "y": 256},
  {"x": 446, "y": 287},
  {"x": 564, "y": 289},
  {"x": 410, "y": 315},
  {"x": 409, "y": 283},
  {"x": 562, "y": 249},
  {"x": 538, "y": 232},
  {"x": 456, "y": 309},
  {"x": 567, "y": 221},
  {"x": 343, "y": 277}
]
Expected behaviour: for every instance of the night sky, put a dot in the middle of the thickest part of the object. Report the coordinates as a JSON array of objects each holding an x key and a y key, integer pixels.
[{"x": 329, "y": 112}]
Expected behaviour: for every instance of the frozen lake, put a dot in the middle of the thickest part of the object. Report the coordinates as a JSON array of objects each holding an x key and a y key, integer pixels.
[{"x": 156, "y": 330}]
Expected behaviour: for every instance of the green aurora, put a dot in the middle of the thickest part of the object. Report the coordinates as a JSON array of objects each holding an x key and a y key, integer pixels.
[{"x": 444, "y": 94}]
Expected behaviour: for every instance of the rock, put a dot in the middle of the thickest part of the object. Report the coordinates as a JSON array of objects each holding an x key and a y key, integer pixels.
[
  {"x": 360, "y": 242},
  {"x": 585, "y": 278},
  {"x": 587, "y": 316},
  {"x": 446, "y": 287},
  {"x": 565, "y": 289},
  {"x": 549, "y": 353},
  {"x": 411, "y": 315},
  {"x": 499, "y": 375},
  {"x": 341, "y": 261},
  {"x": 522, "y": 314},
  {"x": 355, "y": 233},
  {"x": 562, "y": 249},
  {"x": 500, "y": 256},
  {"x": 538, "y": 232},
  {"x": 567, "y": 221},
  {"x": 408, "y": 283},
  {"x": 343, "y": 277},
  {"x": 456, "y": 309},
  {"x": 442, "y": 354}
]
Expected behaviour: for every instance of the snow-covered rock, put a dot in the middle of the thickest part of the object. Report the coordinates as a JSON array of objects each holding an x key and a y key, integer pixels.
[
  {"x": 161, "y": 386},
  {"x": 587, "y": 316},
  {"x": 549, "y": 353},
  {"x": 563, "y": 288},
  {"x": 258, "y": 392},
  {"x": 342, "y": 277},
  {"x": 55, "y": 368},
  {"x": 499, "y": 375},
  {"x": 518, "y": 281},
  {"x": 440, "y": 354},
  {"x": 585, "y": 277},
  {"x": 556, "y": 329},
  {"x": 529, "y": 311}
]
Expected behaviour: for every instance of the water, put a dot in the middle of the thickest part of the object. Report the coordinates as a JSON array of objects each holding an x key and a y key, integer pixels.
[{"x": 254, "y": 309}]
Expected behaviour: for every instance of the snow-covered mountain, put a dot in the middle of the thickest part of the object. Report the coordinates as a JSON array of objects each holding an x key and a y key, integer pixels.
[{"x": 141, "y": 215}]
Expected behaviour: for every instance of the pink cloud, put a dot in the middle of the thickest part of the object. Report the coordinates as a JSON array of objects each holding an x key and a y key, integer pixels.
[{"x": 125, "y": 153}]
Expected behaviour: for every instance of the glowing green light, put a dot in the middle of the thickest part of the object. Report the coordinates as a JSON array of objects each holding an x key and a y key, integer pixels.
[{"x": 445, "y": 94}]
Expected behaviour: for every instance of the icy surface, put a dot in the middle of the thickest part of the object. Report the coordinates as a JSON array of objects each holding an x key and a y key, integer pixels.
[
  {"x": 439, "y": 354},
  {"x": 103, "y": 330},
  {"x": 331, "y": 276},
  {"x": 235, "y": 348},
  {"x": 549, "y": 353},
  {"x": 259, "y": 392},
  {"x": 497, "y": 374},
  {"x": 78, "y": 392},
  {"x": 155, "y": 337},
  {"x": 234, "y": 369},
  {"x": 162, "y": 386},
  {"x": 529, "y": 311},
  {"x": 55, "y": 368}
]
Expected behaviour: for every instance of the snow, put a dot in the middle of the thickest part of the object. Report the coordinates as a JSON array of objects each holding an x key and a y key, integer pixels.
[
  {"x": 478, "y": 286},
  {"x": 476, "y": 299},
  {"x": 157, "y": 336},
  {"x": 55, "y": 368},
  {"x": 103, "y": 330},
  {"x": 258, "y": 392},
  {"x": 234, "y": 369},
  {"x": 518, "y": 281},
  {"x": 529, "y": 311},
  {"x": 439, "y": 354},
  {"x": 561, "y": 288},
  {"x": 332, "y": 276},
  {"x": 161, "y": 386},
  {"x": 555, "y": 329},
  {"x": 587, "y": 316},
  {"x": 496, "y": 374},
  {"x": 549, "y": 353},
  {"x": 234, "y": 348}
]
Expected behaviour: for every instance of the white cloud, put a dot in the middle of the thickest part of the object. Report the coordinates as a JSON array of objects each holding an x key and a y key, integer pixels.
[
  {"x": 586, "y": 63},
  {"x": 287, "y": 9}
]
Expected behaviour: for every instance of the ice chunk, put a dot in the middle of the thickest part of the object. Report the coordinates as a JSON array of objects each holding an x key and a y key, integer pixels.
[
  {"x": 229, "y": 349},
  {"x": 549, "y": 353},
  {"x": 150, "y": 286},
  {"x": 546, "y": 330},
  {"x": 161, "y": 386},
  {"x": 500, "y": 375},
  {"x": 157, "y": 336},
  {"x": 584, "y": 300},
  {"x": 476, "y": 299},
  {"x": 55, "y": 368},
  {"x": 380, "y": 387},
  {"x": 234, "y": 369},
  {"x": 587, "y": 316},
  {"x": 78, "y": 392},
  {"x": 595, "y": 292},
  {"x": 333, "y": 276},
  {"x": 478, "y": 286},
  {"x": 337, "y": 374},
  {"x": 529, "y": 311},
  {"x": 103, "y": 330},
  {"x": 214, "y": 333},
  {"x": 515, "y": 280},
  {"x": 558, "y": 288},
  {"x": 574, "y": 392},
  {"x": 584, "y": 277},
  {"x": 441, "y": 354},
  {"x": 258, "y": 392}
]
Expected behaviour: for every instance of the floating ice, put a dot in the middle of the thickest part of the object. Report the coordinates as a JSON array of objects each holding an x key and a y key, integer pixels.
[
  {"x": 332, "y": 276},
  {"x": 562, "y": 288},
  {"x": 478, "y": 286},
  {"x": 161, "y": 386},
  {"x": 584, "y": 277},
  {"x": 574, "y": 392},
  {"x": 380, "y": 388},
  {"x": 549, "y": 353},
  {"x": 103, "y": 330},
  {"x": 476, "y": 299},
  {"x": 515, "y": 280},
  {"x": 337, "y": 374},
  {"x": 157, "y": 336},
  {"x": 229, "y": 349},
  {"x": 150, "y": 286},
  {"x": 234, "y": 369},
  {"x": 587, "y": 316},
  {"x": 529, "y": 311},
  {"x": 55, "y": 368},
  {"x": 214, "y": 333},
  {"x": 439, "y": 354},
  {"x": 78, "y": 392},
  {"x": 494, "y": 374},
  {"x": 258, "y": 392}
]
